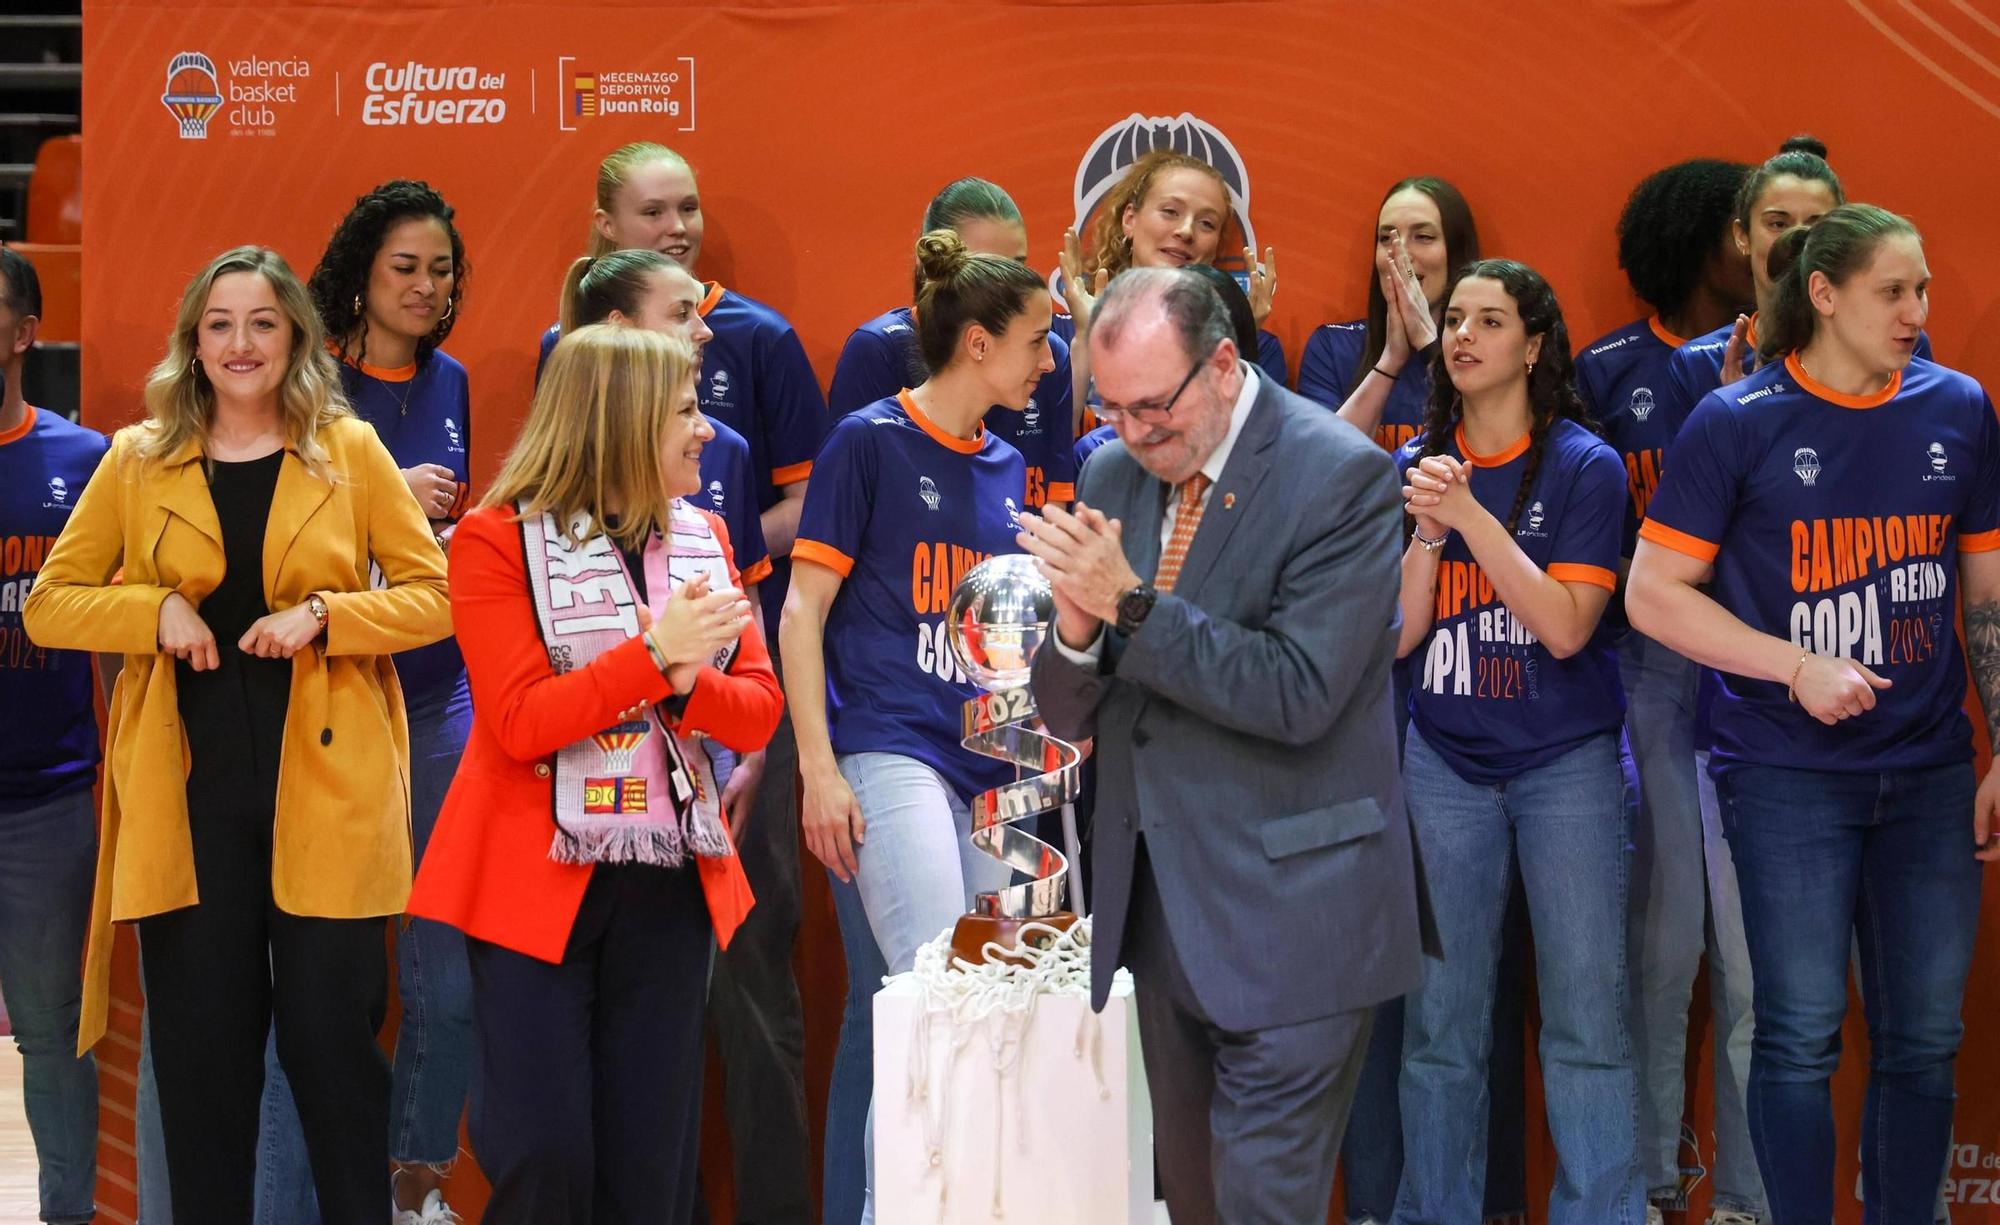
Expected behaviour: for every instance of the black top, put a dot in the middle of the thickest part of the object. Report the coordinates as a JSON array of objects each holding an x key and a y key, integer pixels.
[{"x": 235, "y": 714}]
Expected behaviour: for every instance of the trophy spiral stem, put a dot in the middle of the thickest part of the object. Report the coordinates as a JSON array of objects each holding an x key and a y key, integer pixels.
[{"x": 999, "y": 725}]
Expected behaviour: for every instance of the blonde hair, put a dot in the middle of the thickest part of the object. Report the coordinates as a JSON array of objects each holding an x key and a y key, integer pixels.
[
  {"x": 180, "y": 401},
  {"x": 593, "y": 433},
  {"x": 615, "y": 171},
  {"x": 1109, "y": 249}
]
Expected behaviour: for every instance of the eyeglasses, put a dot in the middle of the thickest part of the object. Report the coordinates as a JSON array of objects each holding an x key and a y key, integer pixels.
[{"x": 1110, "y": 413}]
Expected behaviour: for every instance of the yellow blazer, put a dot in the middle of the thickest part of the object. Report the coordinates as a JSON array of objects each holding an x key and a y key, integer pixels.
[{"x": 341, "y": 847}]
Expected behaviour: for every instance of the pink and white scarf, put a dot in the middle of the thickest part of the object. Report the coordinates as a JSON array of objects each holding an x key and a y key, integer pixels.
[{"x": 633, "y": 792}]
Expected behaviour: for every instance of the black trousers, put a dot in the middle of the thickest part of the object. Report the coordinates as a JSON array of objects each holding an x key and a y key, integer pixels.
[
  {"x": 760, "y": 1028},
  {"x": 587, "y": 1075},
  {"x": 219, "y": 976}
]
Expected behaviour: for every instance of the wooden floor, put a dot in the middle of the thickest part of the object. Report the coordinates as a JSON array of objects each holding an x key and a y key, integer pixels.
[{"x": 17, "y": 1152}]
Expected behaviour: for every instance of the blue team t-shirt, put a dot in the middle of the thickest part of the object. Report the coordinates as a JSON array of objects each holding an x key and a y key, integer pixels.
[
  {"x": 880, "y": 359},
  {"x": 1087, "y": 445},
  {"x": 1485, "y": 693},
  {"x": 1621, "y": 378},
  {"x": 901, "y": 510},
  {"x": 1326, "y": 375},
  {"x": 51, "y": 741},
  {"x": 423, "y": 414},
  {"x": 1836, "y": 522},
  {"x": 1696, "y": 369}
]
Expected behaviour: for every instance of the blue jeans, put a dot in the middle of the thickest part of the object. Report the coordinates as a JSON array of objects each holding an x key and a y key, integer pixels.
[
  {"x": 1738, "y": 1184},
  {"x": 45, "y": 882},
  {"x": 1565, "y": 821},
  {"x": 284, "y": 1193},
  {"x": 1683, "y": 904},
  {"x": 918, "y": 871},
  {"x": 433, "y": 1064},
  {"x": 851, "y": 1084},
  {"x": 1824, "y": 859}
]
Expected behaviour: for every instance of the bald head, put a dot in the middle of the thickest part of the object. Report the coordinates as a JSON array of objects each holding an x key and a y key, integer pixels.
[
  {"x": 1164, "y": 360},
  {"x": 1176, "y": 297}
]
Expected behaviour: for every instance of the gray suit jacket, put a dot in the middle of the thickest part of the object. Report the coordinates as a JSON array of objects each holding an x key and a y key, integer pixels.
[{"x": 1246, "y": 728}]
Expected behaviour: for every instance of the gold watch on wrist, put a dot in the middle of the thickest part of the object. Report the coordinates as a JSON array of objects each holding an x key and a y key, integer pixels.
[{"x": 316, "y": 605}]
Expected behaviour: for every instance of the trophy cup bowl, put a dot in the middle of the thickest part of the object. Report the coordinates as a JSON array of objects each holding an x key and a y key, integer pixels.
[
  {"x": 997, "y": 619},
  {"x": 999, "y": 615}
]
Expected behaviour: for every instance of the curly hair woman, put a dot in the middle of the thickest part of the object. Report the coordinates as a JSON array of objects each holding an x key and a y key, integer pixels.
[{"x": 388, "y": 290}]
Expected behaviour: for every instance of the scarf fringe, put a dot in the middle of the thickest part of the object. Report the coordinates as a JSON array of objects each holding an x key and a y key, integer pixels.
[{"x": 659, "y": 845}]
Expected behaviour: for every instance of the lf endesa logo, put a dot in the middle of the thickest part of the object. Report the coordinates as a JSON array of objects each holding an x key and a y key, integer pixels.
[{"x": 409, "y": 93}]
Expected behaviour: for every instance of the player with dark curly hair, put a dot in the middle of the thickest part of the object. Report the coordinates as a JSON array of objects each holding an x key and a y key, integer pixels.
[
  {"x": 1677, "y": 245},
  {"x": 388, "y": 290}
]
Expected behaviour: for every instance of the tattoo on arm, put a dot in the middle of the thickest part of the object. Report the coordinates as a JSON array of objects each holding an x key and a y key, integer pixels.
[{"x": 1982, "y": 650}]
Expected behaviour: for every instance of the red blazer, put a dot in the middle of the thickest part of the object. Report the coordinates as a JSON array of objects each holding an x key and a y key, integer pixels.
[{"x": 487, "y": 869}]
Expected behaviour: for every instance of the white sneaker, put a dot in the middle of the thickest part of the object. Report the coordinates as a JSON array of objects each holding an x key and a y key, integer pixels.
[
  {"x": 1720, "y": 1217},
  {"x": 434, "y": 1212}
]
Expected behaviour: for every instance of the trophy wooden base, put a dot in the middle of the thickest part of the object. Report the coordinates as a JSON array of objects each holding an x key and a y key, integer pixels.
[{"x": 975, "y": 931}]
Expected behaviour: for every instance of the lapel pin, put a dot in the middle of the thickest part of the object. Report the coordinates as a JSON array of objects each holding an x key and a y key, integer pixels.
[{"x": 1229, "y": 501}]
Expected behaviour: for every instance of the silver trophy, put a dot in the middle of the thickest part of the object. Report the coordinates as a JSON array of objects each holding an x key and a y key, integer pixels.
[{"x": 999, "y": 615}]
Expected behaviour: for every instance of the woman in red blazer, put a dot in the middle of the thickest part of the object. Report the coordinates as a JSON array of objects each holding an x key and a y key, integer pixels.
[{"x": 581, "y": 848}]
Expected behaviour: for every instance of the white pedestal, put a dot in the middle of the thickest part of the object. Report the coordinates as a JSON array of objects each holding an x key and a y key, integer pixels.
[{"x": 1061, "y": 1150}]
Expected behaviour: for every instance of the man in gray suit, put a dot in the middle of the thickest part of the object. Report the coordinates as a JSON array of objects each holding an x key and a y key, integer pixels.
[{"x": 1225, "y": 623}]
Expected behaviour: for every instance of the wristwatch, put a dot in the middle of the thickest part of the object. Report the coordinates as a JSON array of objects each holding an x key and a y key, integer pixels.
[
  {"x": 1133, "y": 607},
  {"x": 316, "y": 605}
]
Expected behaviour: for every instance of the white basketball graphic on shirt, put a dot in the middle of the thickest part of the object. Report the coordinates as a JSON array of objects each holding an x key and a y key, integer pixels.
[
  {"x": 927, "y": 490},
  {"x": 1642, "y": 403},
  {"x": 58, "y": 489},
  {"x": 1535, "y": 514},
  {"x": 715, "y": 494},
  {"x": 1805, "y": 462},
  {"x": 1937, "y": 455}
]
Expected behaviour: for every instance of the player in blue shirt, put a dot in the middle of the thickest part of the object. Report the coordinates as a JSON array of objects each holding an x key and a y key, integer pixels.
[
  {"x": 1169, "y": 211},
  {"x": 1677, "y": 247},
  {"x": 647, "y": 290},
  {"x": 1845, "y": 502},
  {"x": 48, "y": 762},
  {"x": 909, "y": 494},
  {"x": 1374, "y": 370},
  {"x": 388, "y": 290},
  {"x": 755, "y": 379},
  {"x": 880, "y": 357},
  {"x": 1513, "y": 751}
]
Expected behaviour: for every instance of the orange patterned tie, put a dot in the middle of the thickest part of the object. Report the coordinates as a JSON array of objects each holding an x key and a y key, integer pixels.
[{"x": 1187, "y": 518}]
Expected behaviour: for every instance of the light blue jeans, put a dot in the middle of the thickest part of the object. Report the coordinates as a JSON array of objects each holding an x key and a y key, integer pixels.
[
  {"x": 45, "y": 882},
  {"x": 1683, "y": 904},
  {"x": 433, "y": 1066},
  {"x": 917, "y": 871},
  {"x": 284, "y": 1193},
  {"x": 1566, "y": 823}
]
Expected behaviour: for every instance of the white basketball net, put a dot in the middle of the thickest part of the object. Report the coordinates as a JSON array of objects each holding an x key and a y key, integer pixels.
[{"x": 995, "y": 1000}]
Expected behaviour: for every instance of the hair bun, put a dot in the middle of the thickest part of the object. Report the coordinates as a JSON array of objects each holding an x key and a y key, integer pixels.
[
  {"x": 1805, "y": 142},
  {"x": 941, "y": 255}
]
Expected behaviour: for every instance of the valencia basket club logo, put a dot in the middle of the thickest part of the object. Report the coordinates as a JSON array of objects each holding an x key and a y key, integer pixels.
[
  {"x": 193, "y": 94},
  {"x": 1114, "y": 150}
]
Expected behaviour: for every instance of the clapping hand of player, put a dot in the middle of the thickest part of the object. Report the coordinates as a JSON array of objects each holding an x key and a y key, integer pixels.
[
  {"x": 1409, "y": 327},
  {"x": 1439, "y": 495},
  {"x": 1263, "y": 281},
  {"x": 1734, "y": 353},
  {"x": 1080, "y": 287},
  {"x": 1082, "y": 554}
]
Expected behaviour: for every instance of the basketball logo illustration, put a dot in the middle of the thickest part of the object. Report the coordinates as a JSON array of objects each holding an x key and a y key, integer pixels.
[{"x": 193, "y": 94}]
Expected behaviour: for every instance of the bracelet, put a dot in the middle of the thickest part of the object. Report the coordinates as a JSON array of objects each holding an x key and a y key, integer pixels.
[
  {"x": 1430, "y": 546},
  {"x": 653, "y": 649},
  {"x": 1791, "y": 686},
  {"x": 1384, "y": 373}
]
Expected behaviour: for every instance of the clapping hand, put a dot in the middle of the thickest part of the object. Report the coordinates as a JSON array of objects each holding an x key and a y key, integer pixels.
[
  {"x": 1439, "y": 495},
  {"x": 1263, "y": 281},
  {"x": 1080, "y": 288}
]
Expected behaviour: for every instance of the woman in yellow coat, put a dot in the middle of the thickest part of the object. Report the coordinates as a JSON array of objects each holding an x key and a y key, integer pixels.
[{"x": 256, "y": 802}]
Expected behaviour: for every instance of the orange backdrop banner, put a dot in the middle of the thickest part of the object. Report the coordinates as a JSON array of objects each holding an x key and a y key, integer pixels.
[{"x": 820, "y": 130}]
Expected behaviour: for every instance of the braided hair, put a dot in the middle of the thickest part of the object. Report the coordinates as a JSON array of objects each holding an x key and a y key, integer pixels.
[
  {"x": 340, "y": 280},
  {"x": 1551, "y": 384}
]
